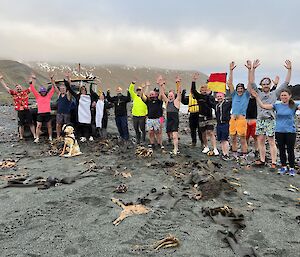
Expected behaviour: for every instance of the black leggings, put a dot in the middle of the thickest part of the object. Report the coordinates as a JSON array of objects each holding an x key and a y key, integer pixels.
[
  {"x": 194, "y": 126},
  {"x": 139, "y": 124},
  {"x": 85, "y": 130},
  {"x": 286, "y": 141}
]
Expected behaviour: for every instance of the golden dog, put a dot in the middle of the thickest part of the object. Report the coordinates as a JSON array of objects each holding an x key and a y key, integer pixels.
[{"x": 71, "y": 144}]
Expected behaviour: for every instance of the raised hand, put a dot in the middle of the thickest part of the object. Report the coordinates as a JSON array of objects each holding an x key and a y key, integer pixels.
[
  {"x": 288, "y": 64},
  {"x": 256, "y": 63},
  {"x": 232, "y": 66},
  {"x": 1, "y": 77},
  {"x": 254, "y": 93},
  {"x": 159, "y": 80},
  {"x": 196, "y": 76},
  {"x": 33, "y": 76},
  {"x": 147, "y": 83},
  {"x": 51, "y": 76},
  {"x": 248, "y": 64},
  {"x": 67, "y": 74},
  {"x": 178, "y": 79},
  {"x": 276, "y": 80}
]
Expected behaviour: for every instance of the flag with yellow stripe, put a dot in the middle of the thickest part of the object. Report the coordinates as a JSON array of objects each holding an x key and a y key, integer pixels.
[{"x": 217, "y": 82}]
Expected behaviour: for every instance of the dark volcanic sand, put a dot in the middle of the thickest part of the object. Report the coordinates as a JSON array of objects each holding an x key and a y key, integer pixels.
[{"x": 76, "y": 220}]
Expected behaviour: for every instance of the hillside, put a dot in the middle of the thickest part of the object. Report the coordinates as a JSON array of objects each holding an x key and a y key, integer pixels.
[{"x": 110, "y": 76}]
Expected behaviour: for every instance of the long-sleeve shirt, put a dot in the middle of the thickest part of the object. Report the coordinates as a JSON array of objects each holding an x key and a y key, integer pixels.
[
  {"x": 206, "y": 102},
  {"x": 120, "y": 102},
  {"x": 139, "y": 108},
  {"x": 43, "y": 102}
]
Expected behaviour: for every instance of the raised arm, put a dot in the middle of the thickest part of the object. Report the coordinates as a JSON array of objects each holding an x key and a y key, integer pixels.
[
  {"x": 4, "y": 84},
  {"x": 68, "y": 86},
  {"x": 162, "y": 93},
  {"x": 160, "y": 81},
  {"x": 178, "y": 97},
  {"x": 32, "y": 85},
  {"x": 230, "y": 79},
  {"x": 194, "y": 91},
  {"x": 260, "y": 103},
  {"x": 54, "y": 85},
  {"x": 184, "y": 98},
  {"x": 146, "y": 89},
  {"x": 288, "y": 66},
  {"x": 94, "y": 95},
  {"x": 131, "y": 90}
]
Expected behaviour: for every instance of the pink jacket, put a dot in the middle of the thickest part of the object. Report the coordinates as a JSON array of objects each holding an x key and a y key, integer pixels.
[{"x": 43, "y": 102}]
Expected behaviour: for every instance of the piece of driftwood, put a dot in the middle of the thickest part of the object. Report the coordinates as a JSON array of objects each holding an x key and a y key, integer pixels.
[{"x": 129, "y": 210}]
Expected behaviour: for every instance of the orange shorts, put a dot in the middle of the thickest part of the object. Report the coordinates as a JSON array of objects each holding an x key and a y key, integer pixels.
[
  {"x": 238, "y": 126},
  {"x": 251, "y": 128}
]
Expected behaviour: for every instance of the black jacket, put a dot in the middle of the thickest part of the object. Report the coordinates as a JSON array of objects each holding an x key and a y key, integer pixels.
[
  {"x": 223, "y": 112},
  {"x": 120, "y": 103},
  {"x": 206, "y": 102}
]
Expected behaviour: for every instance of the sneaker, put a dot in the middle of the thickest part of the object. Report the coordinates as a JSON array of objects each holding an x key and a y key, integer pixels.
[
  {"x": 162, "y": 147},
  {"x": 91, "y": 138},
  {"x": 50, "y": 139},
  {"x": 37, "y": 140},
  {"x": 150, "y": 146},
  {"x": 216, "y": 152},
  {"x": 282, "y": 170},
  {"x": 292, "y": 172},
  {"x": 205, "y": 150},
  {"x": 256, "y": 154}
]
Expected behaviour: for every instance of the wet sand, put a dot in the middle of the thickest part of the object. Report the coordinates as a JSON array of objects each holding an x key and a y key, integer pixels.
[{"x": 76, "y": 219}]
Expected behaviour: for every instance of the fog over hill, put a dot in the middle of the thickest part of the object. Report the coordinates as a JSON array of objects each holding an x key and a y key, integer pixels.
[{"x": 110, "y": 76}]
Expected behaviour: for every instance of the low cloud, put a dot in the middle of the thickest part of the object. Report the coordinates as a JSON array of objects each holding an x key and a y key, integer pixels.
[{"x": 193, "y": 48}]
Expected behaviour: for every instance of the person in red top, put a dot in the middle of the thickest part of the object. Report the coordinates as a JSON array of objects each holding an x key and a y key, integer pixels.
[
  {"x": 20, "y": 97},
  {"x": 43, "y": 99}
]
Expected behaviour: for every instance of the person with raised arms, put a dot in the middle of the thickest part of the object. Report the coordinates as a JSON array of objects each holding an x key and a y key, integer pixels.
[
  {"x": 20, "y": 98},
  {"x": 206, "y": 103},
  {"x": 43, "y": 100},
  {"x": 120, "y": 102},
  {"x": 238, "y": 123},
  {"x": 285, "y": 128},
  {"x": 193, "y": 109},
  {"x": 84, "y": 115},
  {"x": 155, "y": 112},
  {"x": 172, "y": 107},
  {"x": 64, "y": 101},
  {"x": 139, "y": 113},
  {"x": 265, "y": 124}
]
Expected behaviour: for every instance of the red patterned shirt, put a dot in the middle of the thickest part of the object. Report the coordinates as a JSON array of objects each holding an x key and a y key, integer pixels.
[{"x": 20, "y": 99}]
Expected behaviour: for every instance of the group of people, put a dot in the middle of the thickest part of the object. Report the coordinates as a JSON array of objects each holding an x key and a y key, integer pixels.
[{"x": 250, "y": 112}]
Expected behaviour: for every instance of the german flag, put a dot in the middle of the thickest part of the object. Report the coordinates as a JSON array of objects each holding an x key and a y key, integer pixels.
[{"x": 217, "y": 82}]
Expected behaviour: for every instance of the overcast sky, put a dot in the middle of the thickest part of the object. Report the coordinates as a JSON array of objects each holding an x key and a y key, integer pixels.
[{"x": 191, "y": 34}]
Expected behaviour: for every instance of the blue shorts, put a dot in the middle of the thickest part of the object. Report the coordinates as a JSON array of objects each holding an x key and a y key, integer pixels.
[{"x": 223, "y": 132}]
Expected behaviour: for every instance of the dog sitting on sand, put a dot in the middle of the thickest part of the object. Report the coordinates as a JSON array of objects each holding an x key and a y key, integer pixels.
[{"x": 71, "y": 144}]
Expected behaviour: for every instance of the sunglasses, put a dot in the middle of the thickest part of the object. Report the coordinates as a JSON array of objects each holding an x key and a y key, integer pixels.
[{"x": 139, "y": 89}]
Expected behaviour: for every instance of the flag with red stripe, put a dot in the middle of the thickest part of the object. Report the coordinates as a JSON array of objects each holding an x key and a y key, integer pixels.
[{"x": 217, "y": 82}]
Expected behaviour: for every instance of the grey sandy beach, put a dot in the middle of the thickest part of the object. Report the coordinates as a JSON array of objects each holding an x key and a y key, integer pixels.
[{"x": 77, "y": 219}]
